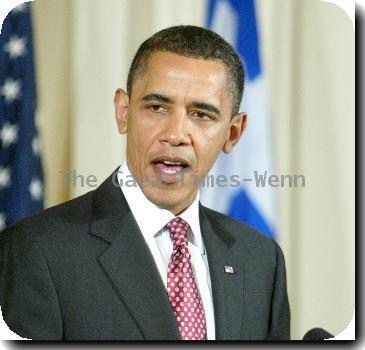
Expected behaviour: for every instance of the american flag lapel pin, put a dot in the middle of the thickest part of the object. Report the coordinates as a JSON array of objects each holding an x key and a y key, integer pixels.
[{"x": 228, "y": 269}]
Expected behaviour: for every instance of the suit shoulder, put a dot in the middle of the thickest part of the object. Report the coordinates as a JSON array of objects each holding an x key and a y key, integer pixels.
[
  {"x": 53, "y": 219},
  {"x": 240, "y": 231}
]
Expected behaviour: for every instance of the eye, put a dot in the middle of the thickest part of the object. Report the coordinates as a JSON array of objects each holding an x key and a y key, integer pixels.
[
  {"x": 201, "y": 115},
  {"x": 156, "y": 108}
]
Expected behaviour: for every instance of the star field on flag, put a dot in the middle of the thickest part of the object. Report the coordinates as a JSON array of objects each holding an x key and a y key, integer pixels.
[{"x": 21, "y": 179}]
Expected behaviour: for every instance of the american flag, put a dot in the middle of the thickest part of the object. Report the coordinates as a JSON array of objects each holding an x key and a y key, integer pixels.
[{"x": 21, "y": 179}]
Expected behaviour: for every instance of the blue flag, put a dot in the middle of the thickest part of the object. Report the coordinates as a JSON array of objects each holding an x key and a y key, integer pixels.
[
  {"x": 21, "y": 179},
  {"x": 252, "y": 201}
]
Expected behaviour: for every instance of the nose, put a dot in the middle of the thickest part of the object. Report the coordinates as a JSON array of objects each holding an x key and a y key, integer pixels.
[{"x": 176, "y": 130}]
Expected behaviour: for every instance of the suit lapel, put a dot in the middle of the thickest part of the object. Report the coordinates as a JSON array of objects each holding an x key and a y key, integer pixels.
[
  {"x": 131, "y": 269},
  {"x": 227, "y": 289}
]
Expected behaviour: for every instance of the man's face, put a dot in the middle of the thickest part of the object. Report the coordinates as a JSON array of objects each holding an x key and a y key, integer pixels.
[{"x": 177, "y": 120}]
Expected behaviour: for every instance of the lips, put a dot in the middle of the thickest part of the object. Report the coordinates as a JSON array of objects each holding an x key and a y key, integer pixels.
[{"x": 171, "y": 169}]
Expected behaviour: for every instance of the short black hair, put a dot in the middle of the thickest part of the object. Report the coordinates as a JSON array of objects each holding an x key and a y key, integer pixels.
[{"x": 195, "y": 42}]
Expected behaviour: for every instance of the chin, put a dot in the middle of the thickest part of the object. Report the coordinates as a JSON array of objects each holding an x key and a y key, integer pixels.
[{"x": 169, "y": 199}]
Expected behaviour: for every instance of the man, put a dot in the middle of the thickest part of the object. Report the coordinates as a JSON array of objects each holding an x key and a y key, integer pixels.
[{"x": 148, "y": 261}]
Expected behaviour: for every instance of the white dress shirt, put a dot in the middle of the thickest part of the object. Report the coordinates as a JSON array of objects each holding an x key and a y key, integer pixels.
[{"x": 151, "y": 220}]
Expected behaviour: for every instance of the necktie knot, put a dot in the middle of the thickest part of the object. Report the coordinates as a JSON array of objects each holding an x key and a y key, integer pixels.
[{"x": 179, "y": 229}]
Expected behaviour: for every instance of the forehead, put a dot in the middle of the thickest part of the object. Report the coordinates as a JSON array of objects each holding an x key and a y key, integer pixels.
[{"x": 173, "y": 73}]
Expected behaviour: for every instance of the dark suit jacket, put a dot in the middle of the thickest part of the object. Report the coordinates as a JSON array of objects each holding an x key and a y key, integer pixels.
[{"x": 82, "y": 271}]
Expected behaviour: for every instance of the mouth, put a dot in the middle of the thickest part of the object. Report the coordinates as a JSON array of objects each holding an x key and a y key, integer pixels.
[{"x": 170, "y": 169}]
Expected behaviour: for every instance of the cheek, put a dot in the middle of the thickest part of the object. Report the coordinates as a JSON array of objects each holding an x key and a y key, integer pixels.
[
  {"x": 214, "y": 136},
  {"x": 141, "y": 130},
  {"x": 140, "y": 139},
  {"x": 208, "y": 146}
]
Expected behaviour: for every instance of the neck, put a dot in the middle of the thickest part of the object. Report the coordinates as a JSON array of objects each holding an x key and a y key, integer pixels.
[{"x": 177, "y": 210}]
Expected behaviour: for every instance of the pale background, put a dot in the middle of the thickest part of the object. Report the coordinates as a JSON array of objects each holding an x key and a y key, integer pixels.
[{"x": 83, "y": 51}]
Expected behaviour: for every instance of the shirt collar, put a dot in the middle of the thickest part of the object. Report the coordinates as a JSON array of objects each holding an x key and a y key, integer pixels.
[{"x": 150, "y": 218}]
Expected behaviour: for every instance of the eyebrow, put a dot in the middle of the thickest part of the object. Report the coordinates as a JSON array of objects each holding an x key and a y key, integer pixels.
[{"x": 156, "y": 97}]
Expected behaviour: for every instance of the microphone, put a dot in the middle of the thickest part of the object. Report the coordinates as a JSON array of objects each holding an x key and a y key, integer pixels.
[{"x": 316, "y": 334}]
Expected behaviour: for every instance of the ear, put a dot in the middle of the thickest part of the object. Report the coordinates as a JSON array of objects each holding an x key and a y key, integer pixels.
[
  {"x": 121, "y": 104},
  {"x": 237, "y": 127}
]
